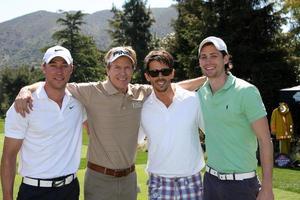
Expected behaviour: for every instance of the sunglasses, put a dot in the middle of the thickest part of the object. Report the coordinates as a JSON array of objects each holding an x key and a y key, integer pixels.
[{"x": 164, "y": 72}]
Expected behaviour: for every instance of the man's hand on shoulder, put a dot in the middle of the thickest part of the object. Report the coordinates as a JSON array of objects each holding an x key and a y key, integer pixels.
[{"x": 24, "y": 103}]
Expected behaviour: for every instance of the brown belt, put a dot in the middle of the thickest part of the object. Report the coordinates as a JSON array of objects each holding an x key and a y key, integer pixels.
[{"x": 111, "y": 172}]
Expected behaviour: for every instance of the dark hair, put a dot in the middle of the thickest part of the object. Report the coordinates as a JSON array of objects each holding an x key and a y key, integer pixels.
[
  {"x": 161, "y": 56},
  {"x": 229, "y": 65}
]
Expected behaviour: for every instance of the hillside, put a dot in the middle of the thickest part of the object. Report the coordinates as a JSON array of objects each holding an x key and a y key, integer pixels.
[{"x": 22, "y": 38}]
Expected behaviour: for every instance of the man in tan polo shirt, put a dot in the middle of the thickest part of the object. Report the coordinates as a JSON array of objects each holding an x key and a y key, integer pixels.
[{"x": 113, "y": 109}]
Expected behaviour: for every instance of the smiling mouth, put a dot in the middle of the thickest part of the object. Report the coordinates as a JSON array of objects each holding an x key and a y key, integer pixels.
[
  {"x": 59, "y": 79},
  {"x": 160, "y": 82}
]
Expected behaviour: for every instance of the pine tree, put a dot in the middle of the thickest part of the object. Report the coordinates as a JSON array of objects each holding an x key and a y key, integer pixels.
[
  {"x": 87, "y": 58},
  {"x": 189, "y": 29},
  {"x": 292, "y": 42},
  {"x": 131, "y": 26}
]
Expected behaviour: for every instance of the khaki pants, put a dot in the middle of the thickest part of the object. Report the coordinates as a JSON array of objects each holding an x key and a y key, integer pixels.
[{"x": 99, "y": 186}]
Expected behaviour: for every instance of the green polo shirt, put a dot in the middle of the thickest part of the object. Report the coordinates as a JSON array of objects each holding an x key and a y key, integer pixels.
[{"x": 231, "y": 143}]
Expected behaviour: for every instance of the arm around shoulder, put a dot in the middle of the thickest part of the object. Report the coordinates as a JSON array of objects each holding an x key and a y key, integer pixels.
[
  {"x": 23, "y": 102},
  {"x": 192, "y": 84}
]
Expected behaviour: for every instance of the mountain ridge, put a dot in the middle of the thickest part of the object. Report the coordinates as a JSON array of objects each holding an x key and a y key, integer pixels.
[{"x": 22, "y": 38}]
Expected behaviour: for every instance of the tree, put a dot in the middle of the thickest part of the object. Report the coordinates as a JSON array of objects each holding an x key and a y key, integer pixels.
[
  {"x": 292, "y": 42},
  {"x": 12, "y": 80},
  {"x": 131, "y": 26},
  {"x": 87, "y": 58},
  {"x": 252, "y": 31},
  {"x": 189, "y": 29}
]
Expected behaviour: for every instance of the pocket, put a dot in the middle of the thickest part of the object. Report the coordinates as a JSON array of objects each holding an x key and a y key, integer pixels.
[{"x": 253, "y": 184}]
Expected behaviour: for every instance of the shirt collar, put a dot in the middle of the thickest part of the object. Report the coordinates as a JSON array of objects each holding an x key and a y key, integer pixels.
[
  {"x": 41, "y": 92},
  {"x": 111, "y": 90},
  {"x": 229, "y": 82}
]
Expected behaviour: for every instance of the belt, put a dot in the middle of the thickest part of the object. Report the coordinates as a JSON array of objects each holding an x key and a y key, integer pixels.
[
  {"x": 111, "y": 172},
  {"x": 234, "y": 176},
  {"x": 56, "y": 182}
]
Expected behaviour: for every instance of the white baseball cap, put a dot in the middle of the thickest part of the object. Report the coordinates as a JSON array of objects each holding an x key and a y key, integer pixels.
[
  {"x": 218, "y": 43},
  {"x": 118, "y": 52},
  {"x": 57, "y": 51}
]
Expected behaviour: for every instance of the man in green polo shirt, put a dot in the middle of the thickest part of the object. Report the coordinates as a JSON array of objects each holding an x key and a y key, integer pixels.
[{"x": 235, "y": 119}]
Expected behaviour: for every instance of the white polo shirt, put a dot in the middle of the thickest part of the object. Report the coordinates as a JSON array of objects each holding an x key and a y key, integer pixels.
[
  {"x": 174, "y": 148},
  {"x": 52, "y": 136}
]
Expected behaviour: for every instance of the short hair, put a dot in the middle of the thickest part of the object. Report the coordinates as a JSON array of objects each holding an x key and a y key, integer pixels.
[
  {"x": 161, "y": 56},
  {"x": 128, "y": 49},
  {"x": 227, "y": 66}
]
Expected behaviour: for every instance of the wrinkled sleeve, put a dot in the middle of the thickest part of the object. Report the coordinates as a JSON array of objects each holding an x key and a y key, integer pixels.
[
  {"x": 253, "y": 105},
  {"x": 81, "y": 91},
  {"x": 15, "y": 125}
]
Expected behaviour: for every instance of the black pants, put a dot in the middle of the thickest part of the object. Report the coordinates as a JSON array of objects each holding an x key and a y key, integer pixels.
[
  {"x": 215, "y": 189},
  {"x": 66, "y": 192}
]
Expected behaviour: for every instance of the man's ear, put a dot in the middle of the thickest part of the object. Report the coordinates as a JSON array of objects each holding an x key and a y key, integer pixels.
[
  {"x": 43, "y": 68},
  {"x": 226, "y": 59},
  {"x": 73, "y": 68},
  {"x": 147, "y": 77},
  {"x": 173, "y": 73},
  {"x": 107, "y": 68}
]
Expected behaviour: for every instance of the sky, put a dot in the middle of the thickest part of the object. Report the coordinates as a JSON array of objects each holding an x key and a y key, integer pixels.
[{"x": 11, "y": 9}]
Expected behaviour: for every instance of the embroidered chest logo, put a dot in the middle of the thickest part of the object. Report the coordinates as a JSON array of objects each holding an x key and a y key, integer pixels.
[
  {"x": 137, "y": 104},
  {"x": 71, "y": 107}
]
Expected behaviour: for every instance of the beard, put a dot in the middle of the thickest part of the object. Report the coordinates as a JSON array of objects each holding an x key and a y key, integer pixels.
[{"x": 161, "y": 85}]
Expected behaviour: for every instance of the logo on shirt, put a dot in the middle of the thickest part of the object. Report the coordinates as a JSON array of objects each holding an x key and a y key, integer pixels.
[
  {"x": 71, "y": 107},
  {"x": 137, "y": 104}
]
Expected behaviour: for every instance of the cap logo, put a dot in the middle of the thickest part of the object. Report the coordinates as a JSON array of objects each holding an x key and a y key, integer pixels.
[
  {"x": 57, "y": 51},
  {"x": 121, "y": 52},
  {"x": 118, "y": 53}
]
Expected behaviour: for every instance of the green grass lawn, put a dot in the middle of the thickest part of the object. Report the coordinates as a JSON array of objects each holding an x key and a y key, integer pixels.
[{"x": 286, "y": 181}]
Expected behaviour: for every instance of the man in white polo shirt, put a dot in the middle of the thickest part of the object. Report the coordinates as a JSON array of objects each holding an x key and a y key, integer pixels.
[
  {"x": 48, "y": 139},
  {"x": 171, "y": 118}
]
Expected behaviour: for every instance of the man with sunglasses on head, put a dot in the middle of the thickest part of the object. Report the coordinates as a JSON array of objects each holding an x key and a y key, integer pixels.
[
  {"x": 113, "y": 109},
  {"x": 235, "y": 121},
  {"x": 171, "y": 118}
]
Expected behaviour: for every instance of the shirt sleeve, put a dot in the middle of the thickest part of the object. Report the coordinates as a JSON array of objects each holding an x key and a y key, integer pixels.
[
  {"x": 81, "y": 91},
  {"x": 201, "y": 124},
  {"x": 15, "y": 124},
  {"x": 253, "y": 105},
  {"x": 141, "y": 135},
  {"x": 84, "y": 115},
  {"x": 146, "y": 88}
]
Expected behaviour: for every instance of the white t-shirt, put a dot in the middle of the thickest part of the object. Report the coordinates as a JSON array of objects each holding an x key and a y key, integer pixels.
[
  {"x": 174, "y": 148},
  {"x": 52, "y": 136}
]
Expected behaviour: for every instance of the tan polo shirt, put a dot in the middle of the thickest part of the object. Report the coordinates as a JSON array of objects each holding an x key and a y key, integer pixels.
[{"x": 114, "y": 120}]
